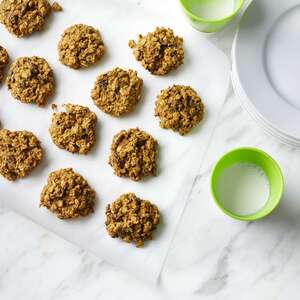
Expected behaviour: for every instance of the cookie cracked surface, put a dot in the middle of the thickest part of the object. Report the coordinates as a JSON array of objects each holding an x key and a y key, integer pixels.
[
  {"x": 23, "y": 17},
  {"x": 20, "y": 152},
  {"x": 31, "y": 80},
  {"x": 117, "y": 92},
  {"x": 80, "y": 46},
  {"x": 68, "y": 195},
  {"x": 133, "y": 154},
  {"x": 160, "y": 51},
  {"x": 132, "y": 219},
  {"x": 179, "y": 108},
  {"x": 4, "y": 59},
  {"x": 74, "y": 130}
]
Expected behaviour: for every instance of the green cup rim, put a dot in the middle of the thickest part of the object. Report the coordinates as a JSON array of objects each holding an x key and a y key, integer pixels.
[
  {"x": 233, "y": 13},
  {"x": 251, "y": 217}
]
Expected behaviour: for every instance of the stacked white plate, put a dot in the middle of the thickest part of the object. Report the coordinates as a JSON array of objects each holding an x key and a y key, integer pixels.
[{"x": 266, "y": 67}]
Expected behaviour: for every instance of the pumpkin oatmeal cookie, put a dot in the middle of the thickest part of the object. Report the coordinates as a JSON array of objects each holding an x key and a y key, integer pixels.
[
  {"x": 159, "y": 52},
  {"x": 20, "y": 152},
  {"x": 74, "y": 130},
  {"x": 31, "y": 80},
  {"x": 68, "y": 195},
  {"x": 133, "y": 154},
  {"x": 117, "y": 92},
  {"x": 4, "y": 59},
  {"x": 132, "y": 219},
  {"x": 23, "y": 17},
  {"x": 80, "y": 46},
  {"x": 179, "y": 108}
]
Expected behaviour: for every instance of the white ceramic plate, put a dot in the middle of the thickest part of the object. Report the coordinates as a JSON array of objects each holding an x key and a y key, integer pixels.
[{"x": 266, "y": 57}]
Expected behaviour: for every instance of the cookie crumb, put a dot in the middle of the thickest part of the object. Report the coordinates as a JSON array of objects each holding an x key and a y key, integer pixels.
[
  {"x": 20, "y": 152},
  {"x": 68, "y": 195},
  {"x": 53, "y": 106},
  {"x": 179, "y": 108},
  {"x": 133, "y": 154},
  {"x": 132, "y": 219},
  {"x": 56, "y": 7},
  {"x": 117, "y": 92}
]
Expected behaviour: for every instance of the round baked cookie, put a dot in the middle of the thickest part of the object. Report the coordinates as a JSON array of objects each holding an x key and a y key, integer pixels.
[
  {"x": 133, "y": 154},
  {"x": 75, "y": 129},
  {"x": 131, "y": 219},
  {"x": 117, "y": 92},
  {"x": 4, "y": 59},
  {"x": 23, "y": 17},
  {"x": 179, "y": 108},
  {"x": 68, "y": 195},
  {"x": 80, "y": 46},
  {"x": 31, "y": 80},
  {"x": 20, "y": 152},
  {"x": 160, "y": 51}
]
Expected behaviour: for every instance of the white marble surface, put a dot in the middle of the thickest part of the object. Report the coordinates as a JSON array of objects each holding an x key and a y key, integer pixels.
[{"x": 211, "y": 256}]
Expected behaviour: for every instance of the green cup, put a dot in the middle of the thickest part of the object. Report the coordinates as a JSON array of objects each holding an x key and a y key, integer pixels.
[
  {"x": 262, "y": 160},
  {"x": 196, "y": 10}
]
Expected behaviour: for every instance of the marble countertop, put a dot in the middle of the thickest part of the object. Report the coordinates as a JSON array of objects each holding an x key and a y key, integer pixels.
[{"x": 211, "y": 256}]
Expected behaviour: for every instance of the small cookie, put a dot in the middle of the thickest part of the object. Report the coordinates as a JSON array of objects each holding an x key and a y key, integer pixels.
[
  {"x": 74, "y": 130},
  {"x": 160, "y": 51},
  {"x": 133, "y": 154},
  {"x": 30, "y": 80},
  {"x": 4, "y": 59},
  {"x": 117, "y": 91},
  {"x": 68, "y": 195},
  {"x": 80, "y": 46},
  {"x": 20, "y": 152},
  {"x": 23, "y": 17},
  {"x": 179, "y": 108},
  {"x": 131, "y": 219}
]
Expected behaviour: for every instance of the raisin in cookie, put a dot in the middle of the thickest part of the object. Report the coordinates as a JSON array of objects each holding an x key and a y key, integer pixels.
[
  {"x": 117, "y": 91},
  {"x": 31, "y": 80},
  {"x": 80, "y": 46},
  {"x": 4, "y": 59},
  {"x": 68, "y": 195},
  {"x": 132, "y": 219},
  {"x": 20, "y": 152},
  {"x": 133, "y": 154},
  {"x": 179, "y": 108},
  {"x": 74, "y": 130},
  {"x": 23, "y": 17},
  {"x": 159, "y": 52}
]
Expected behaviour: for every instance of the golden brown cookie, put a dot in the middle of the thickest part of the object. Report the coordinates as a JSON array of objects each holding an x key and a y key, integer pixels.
[
  {"x": 30, "y": 80},
  {"x": 179, "y": 108},
  {"x": 23, "y": 17},
  {"x": 117, "y": 92},
  {"x": 74, "y": 130},
  {"x": 131, "y": 219},
  {"x": 20, "y": 152},
  {"x": 80, "y": 46},
  {"x": 68, "y": 195},
  {"x": 159, "y": 52},
  {"x": 4, "y": 59},
  {"x": 133, "y": 154}
]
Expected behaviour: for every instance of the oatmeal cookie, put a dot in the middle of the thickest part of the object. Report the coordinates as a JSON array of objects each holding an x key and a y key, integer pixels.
[
  {"x": 23, "y": 17},
  {"x": 179, "y": 108},
  {"x": 74, "y": 130},
  {"x": 131, "y": 219},
  {"x": 4, "y": 59},
  {"x": 160, "y": 51},
  {"x": 133, "y": 154},
  {"x": 68, "y": 195},
  {"x": 20, "y": 152},
  {"x": 80, "y": 46},
  {"x": 31, "y": 80},
  {"x": 117, "y": 91}
]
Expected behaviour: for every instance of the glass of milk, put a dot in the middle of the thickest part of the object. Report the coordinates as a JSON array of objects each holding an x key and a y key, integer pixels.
[
  {"x": 210, "y": 15},
  {"x": 247, "y": 184}
]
